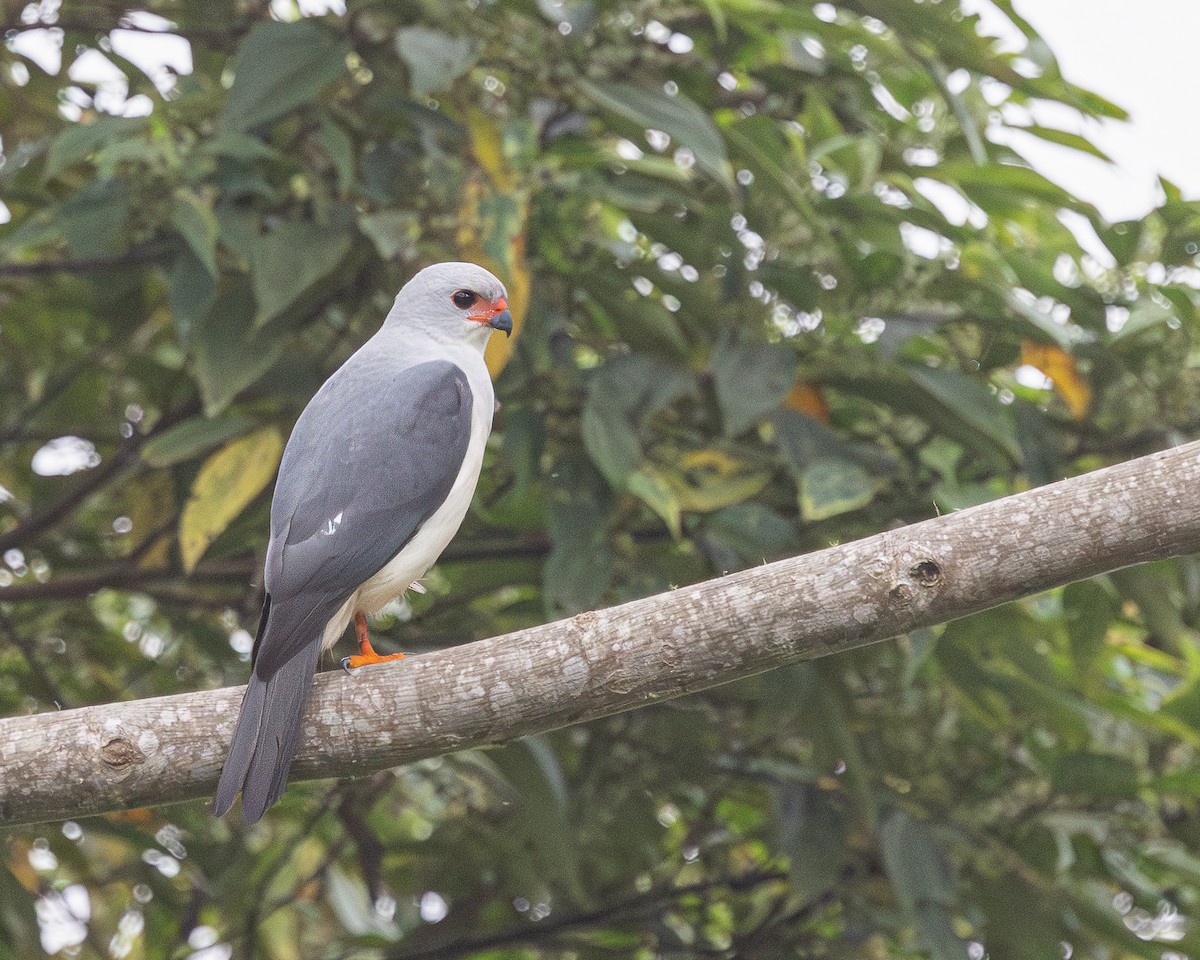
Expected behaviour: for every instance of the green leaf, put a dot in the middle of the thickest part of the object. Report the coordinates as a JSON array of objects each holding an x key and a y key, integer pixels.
[
  {"x": 227, "y": 354},
  {"x": 1020, "y": 920},
  {"x": 238, "y": 146},
  {"x": 580, "y": 566},
  {"x": 748, "y": 534},
  {"x": 434, "y": 59},
  {"x": 803, "y": 441},
  {"x": 289, "y": 260},
  {"x": 997, "y": 187},
  {"x": 193, "y": 437},
  {"x": 1145, "y": 314},
  {"x": 610, "y": 440},
  {"x": 543, "y": 809},
  {"x": 918, "y": 870},
  {"x": 750, "y": 380},
  {"x": 1065, "y": 139},
  {"x": 193, "y": 288},
  {"x": 650, "y": 108},
  {"x": 643, "y": 323},
  {"x": 831, "y": 487},
  {"x": 620, "y": 394},
  {"x": 340, "y": 149},
  {"x": 800, "y": 286},
  {"x": 524, "y": 443},
  {"x": 1089, "y": 609},
  {"x": 966, "y": 408},
  {"x": 649, "y": 486},
  {"x": 80, "y": 140},
  {"x": 812, "y": 832},
  {"x": 1084, "y": 773},
  {"x": 390, "y": 231},
  {"x": 922, "y": 881},
  {"x": 1154, "y": 587},
  {"x": 196, "y": 224},
  {"x": 770, "y": 153},
  {"x": 935, "y": 924},
  {"x": 227, "y": 483},
  {"x": 92, "y": 217},
  {"x": 281, "y": 66}
]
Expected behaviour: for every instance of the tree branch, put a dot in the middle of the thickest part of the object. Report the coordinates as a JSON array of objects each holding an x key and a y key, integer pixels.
[
  {"x": 122, "y": 755},
  {"x": 132, "y": 258},
  {"x": 125, "y": 457},
  {"x": 81, "y": 489},
  {"x": 126, "y": 576},
  {"x": 654, "y": 901},
  {"x": 40, "y": 678}
]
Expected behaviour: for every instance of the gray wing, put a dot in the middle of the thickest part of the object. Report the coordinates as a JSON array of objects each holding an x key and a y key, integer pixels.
[{"x": 371, "y": 458}]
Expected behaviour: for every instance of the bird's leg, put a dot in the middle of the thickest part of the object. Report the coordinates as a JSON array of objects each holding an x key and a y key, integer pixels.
[{"x": 366, "y": 654}]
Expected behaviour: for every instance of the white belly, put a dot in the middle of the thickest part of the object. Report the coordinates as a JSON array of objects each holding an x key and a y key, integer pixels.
[{"x": 432, "y": 537}]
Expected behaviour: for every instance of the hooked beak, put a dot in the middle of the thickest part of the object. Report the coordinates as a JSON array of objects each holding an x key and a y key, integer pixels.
[
  {"x": 498, "y": 317},
  {"x": 502, "y": 321}
]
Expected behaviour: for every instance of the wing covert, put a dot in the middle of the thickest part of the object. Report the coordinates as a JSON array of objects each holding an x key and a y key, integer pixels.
[{"x": 371, "y": 458}]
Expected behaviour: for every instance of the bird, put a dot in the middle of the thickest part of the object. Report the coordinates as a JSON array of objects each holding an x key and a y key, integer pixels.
[{"x": 374, "y": 482}]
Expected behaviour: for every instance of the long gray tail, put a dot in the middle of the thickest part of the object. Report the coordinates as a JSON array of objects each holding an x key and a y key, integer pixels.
[{"x": 262, "y": 750}]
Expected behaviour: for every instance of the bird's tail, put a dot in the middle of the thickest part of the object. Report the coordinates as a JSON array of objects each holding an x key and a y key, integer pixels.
[{"x": 261, "y": 753}]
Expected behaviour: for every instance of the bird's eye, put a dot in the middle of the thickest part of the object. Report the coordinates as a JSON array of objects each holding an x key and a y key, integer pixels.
[{"x": 463, "y": 299}]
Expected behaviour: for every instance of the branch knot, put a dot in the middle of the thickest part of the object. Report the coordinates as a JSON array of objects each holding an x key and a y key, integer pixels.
[
  {"x": 927, "y": 573},
  {"x": 119, "y": 754}
]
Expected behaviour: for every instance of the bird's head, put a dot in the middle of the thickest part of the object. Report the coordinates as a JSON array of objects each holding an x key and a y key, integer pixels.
[{"x": 454, "y": 302}]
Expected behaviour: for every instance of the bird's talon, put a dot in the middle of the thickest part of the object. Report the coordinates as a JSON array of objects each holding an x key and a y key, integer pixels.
[
  {"x": 363, "y": 660},
  {"x": 345, "y": 662}
]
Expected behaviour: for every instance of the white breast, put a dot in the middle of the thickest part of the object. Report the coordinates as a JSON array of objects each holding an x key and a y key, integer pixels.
[{"x": 432, "y": 537}]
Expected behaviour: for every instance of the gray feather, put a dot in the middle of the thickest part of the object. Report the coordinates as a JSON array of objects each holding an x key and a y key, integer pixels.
[
  {"x": 267, "y": 738},
  {"x": 371, "y": 458}
]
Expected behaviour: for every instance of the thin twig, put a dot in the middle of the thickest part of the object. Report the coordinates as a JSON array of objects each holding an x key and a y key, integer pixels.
[
  {"x": 47, "y": 688},
  {"x": 635, "y": 905},
  {"x": 94, "y": 480},
  {"x": 302, "y": 833},
  {"x": 230, "y": 32},
  {"x": 19, "y": 429},
  {"x": 137, "y": 257},
  {"x": 126, "y": 576}
]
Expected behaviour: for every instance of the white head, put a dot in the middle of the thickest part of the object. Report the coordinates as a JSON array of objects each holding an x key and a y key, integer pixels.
[{"x": 454, "y": 303}]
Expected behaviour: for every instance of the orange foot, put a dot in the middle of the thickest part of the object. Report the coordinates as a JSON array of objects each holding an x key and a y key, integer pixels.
[{"x": 367, "y": 654}]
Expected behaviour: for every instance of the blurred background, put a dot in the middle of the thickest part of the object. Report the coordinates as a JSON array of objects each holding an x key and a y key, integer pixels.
[{"x": 784, "y": 275}]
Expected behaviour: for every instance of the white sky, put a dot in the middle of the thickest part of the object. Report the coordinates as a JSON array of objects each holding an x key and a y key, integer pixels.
[{"x": 1138, "y": 55}]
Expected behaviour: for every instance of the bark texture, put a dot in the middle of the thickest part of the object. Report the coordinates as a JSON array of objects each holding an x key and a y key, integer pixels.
[{"x": 141, "y": 753}]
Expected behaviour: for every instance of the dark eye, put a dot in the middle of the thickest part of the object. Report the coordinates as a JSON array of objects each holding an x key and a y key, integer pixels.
[{"x": 463, "y": 299}]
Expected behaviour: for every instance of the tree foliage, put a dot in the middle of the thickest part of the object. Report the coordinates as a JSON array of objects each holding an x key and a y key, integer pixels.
[{"x": 781, "y": 277}]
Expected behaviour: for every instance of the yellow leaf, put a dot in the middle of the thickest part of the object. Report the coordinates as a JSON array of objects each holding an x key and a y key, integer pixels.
[
  {"x": 717, "y": 461},
  {"x": 708, "y": 479},
  {"x": 1060, "y": 367},
  {"x": 519, "y": 284},
  {"x": 487, "y": 144},
  {"x": 227, "y": 483},
  {"x": 705, "y": 497},
  {"x": 654, "y": 489},
  {"x": 150, "y": 503},
  {"x": 492, "y": 220},
  {"x": 18, "y": 865},
  {"x": 279, "y": 930}
]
